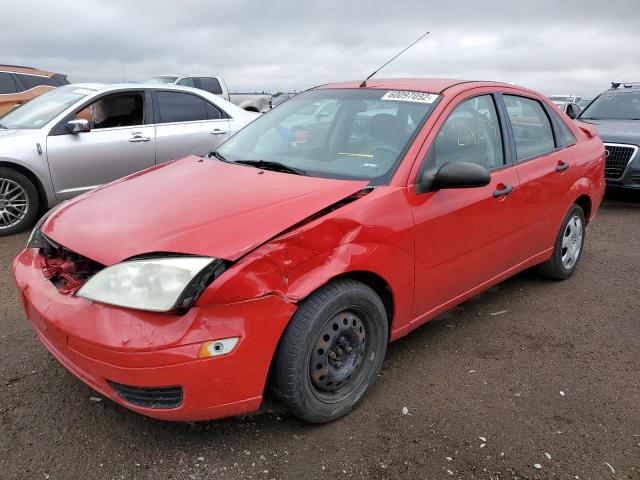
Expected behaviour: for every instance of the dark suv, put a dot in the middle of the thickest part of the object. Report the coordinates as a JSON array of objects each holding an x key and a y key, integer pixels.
[{"x": 616, "y": 114}]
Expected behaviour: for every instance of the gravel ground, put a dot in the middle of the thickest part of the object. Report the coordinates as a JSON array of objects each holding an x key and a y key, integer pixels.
[{"x": 548, "y": 389}]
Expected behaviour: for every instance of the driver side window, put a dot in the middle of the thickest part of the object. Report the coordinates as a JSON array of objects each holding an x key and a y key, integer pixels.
[
  {"x": 471, "y": 134},
  {"x": 117, "y": 110}
]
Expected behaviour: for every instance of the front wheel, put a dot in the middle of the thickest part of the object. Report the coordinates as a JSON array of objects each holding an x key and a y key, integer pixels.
[
  {"x": 19, "y": 202},
  {"x": 568, "y": 247},
  {"x": 331, "y": 351}
]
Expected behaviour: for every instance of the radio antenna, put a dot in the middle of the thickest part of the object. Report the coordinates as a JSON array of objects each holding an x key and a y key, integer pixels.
[{"x": 364, "y": 82}]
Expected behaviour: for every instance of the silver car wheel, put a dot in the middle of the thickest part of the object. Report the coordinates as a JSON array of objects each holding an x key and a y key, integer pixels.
[
  {"x": 14, "y": 203},
  {"x": 572, "y": 242}
]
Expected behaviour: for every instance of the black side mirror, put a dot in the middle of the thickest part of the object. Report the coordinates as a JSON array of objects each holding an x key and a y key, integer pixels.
[
  {"x": 454, "y": 175},
  {"x": 573, "y": 110}
]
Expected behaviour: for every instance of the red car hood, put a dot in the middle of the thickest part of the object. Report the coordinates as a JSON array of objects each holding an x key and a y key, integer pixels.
[{"x": 193, "y": 206}]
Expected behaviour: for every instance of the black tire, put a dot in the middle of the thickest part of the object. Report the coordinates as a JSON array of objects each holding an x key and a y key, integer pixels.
[
  {"x": 9, "y": 225},
  {"x": 354, "y": 317},
  {"x": 554, "y": 267}
]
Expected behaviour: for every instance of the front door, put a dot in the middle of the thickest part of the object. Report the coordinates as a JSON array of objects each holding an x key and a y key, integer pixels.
[
  {"x": 119, "y": 143},
  {"x": 463, "y": 237}
]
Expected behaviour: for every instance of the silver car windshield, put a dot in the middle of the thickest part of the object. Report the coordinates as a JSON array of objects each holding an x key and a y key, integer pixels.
[
  {"x": 334, "y": 133},
  {"x": 41, "y": 110}
]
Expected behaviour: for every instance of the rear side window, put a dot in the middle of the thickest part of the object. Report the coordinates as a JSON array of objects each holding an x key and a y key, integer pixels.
[
  {"x": 7, "y": 84},
  {"x": 214, "y": 113},
  {"x": 181, "y": 107},
  {"x": 211, "y": 85},
  {"x": 471, "y": 134},
  {"x": 32, "y": 81},
  {"x": 532, "y": 130}
]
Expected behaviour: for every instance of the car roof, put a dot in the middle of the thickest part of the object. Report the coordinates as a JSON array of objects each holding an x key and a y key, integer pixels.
[
  {"x": 22, "y": 69},
  {"x": 427, "y": 85},
  {"x": 107, "y": 87}
]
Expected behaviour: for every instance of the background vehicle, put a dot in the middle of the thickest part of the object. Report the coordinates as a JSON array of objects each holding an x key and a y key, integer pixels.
[
  {"x": 283, "y": 97},
  {"x": 616, "y": 115},
  {"x": 21, "y": 84},
  {"x": 80, "y": 136},
  {"x": 296, "y": 256},
  {"x": 568, "y": 104},
  {"x": 584, "y": 102},
  {"x": 252, "y": 102}
]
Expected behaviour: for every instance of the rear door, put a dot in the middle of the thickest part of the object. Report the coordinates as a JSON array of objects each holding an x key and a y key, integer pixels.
[
  {"x": 464, "y": 237},
  {"x": 187, "y": 125},
  {"x": 121, "y": 141},
  {"x": 544, "y": 157}
]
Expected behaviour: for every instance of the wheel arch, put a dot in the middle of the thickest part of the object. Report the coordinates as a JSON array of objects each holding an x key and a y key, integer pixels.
[
  {"x": 42, "y": 193},
  {"x": 376, "y": 282},
  {"x": 584, "y": 202}
]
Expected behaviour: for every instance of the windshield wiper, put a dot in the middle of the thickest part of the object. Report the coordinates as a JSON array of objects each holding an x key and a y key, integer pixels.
[
  {"x": 275, "y": 166},
  {"x": 218, "y": 155}
]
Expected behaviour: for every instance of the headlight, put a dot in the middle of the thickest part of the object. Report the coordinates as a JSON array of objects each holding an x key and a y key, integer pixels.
[
  {"x": 35, "y": 239},
  {"x": 155, "y": 284}
]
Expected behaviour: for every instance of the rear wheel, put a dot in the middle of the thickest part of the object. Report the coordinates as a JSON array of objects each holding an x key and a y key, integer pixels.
[
  {"x": 568, "y": 247},
  {"x": 331, "y": 351},
  {"x": 19, "y": 202}
]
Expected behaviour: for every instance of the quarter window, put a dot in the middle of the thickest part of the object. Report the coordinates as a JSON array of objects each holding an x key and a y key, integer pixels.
[
  {"x": 531, "y": 127},
  {"x": 181, "y": 107},
  {"x": 7, "y": 84},
  {"x": 471, "y": 134},
  {"x": 565, "y": 136}
]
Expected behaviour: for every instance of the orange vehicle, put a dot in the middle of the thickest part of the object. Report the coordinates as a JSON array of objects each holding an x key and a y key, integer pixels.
[{"x": 20, "y": 84}]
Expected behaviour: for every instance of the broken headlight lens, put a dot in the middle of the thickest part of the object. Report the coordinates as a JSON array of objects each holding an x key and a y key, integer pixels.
[{"x": 162, "y": 284}]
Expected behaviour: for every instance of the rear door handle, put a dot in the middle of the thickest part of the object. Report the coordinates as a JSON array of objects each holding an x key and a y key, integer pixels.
[
  {"x": 138, "y": 139},
  {"x": 217, "y": 131},
  {"x": 562, "y": 166},
  {"x": 503, "y": 191}
]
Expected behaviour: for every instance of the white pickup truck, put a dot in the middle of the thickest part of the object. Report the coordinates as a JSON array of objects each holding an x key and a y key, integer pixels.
[{"x": 252, "y": 102}]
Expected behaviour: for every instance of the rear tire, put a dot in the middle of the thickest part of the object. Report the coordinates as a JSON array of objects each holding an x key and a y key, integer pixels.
[
  {"x": 19, "y": 202},
  {"x": 331, "y": 351},
  {"x": 568, "y": 246}
]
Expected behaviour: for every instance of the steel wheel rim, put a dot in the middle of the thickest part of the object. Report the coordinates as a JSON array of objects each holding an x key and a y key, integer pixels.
[
  {"x": 338, "y": 355},
  {"x": 14, "y": 203},
  {"x": 572, "y": 242}
]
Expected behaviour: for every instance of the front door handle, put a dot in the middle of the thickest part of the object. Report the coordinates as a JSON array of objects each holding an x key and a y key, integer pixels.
[
  {"x": 217, "y": 131},
  {"x": 138, "y": 139},
  {"x": 503, "y": 191},
  {"x": 562, "y": 166}
]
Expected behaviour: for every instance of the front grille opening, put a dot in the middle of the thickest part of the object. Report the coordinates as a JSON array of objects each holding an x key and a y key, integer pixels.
[
  {"x": 67, "y": 270},
  {"x": 618, "y": 157},
  {"x": 149, "y": 397}
]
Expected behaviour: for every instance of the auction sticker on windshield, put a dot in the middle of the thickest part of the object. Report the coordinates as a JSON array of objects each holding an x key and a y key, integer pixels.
[{"x": 404, "y": 96}]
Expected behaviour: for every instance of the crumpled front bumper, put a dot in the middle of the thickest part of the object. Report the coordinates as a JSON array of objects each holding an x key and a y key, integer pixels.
[{"x": 101, "y": 344}]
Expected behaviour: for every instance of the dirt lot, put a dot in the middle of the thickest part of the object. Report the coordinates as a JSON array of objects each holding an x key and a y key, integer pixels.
[{"x": 554, "y": 382}]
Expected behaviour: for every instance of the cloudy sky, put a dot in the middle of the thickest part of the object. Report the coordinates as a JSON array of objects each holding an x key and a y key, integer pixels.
[{"x": 553, "y": 46}]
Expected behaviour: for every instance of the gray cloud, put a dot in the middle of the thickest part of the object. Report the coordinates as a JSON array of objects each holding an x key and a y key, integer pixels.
[{"x": 552, "y": 46}]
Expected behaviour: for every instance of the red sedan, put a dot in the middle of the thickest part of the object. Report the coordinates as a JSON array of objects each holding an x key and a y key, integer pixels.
[{"x": 289, "y": 258}]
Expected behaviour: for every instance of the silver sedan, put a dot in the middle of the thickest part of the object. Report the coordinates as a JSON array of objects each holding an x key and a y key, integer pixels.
[{"x": 78, "y": 137}]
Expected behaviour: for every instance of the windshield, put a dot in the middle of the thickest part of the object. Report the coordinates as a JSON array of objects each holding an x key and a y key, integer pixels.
[
  {"x": 335, "y": 133},
  {"x": 162, "y": 79},
  {"x": 614, "y": 106},
  {"x": 41, "y": 110}
]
